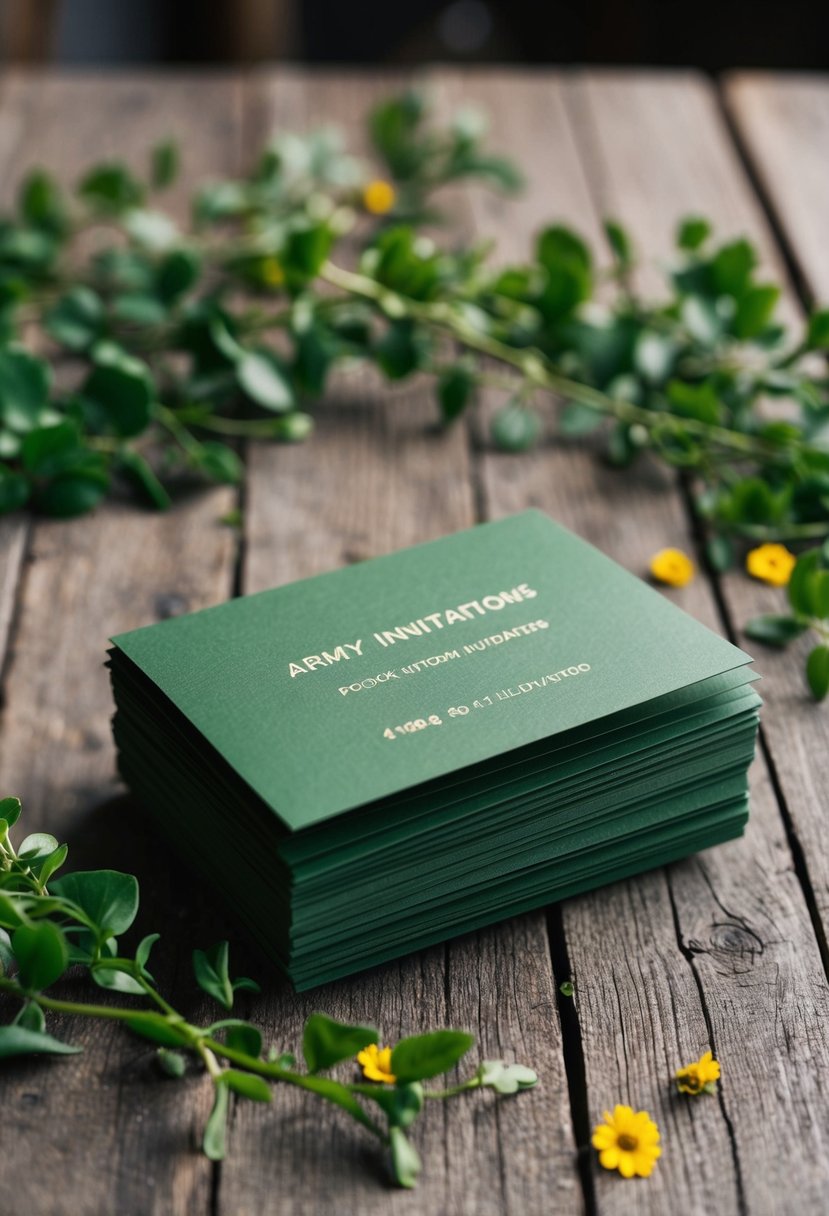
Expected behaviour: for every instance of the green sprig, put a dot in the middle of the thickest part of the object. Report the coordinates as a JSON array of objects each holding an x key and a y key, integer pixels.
[{"x": 78, "y": 920}]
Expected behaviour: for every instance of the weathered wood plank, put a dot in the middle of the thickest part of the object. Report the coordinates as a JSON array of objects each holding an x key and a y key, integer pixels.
[
  {"x": 103, "y": 1133},
  {"x": 377, "y": 477},
  {"x": 637, "y": 1002},
  {"x": 783, "y": 123},
  {"x": 655, "y": 148}
]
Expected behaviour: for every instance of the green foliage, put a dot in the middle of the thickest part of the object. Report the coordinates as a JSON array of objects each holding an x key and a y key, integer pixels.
[
  {"x": 182, "y": 341},
  {"x": 43, "y": 930},
  {"x": 808, "y": 594}
]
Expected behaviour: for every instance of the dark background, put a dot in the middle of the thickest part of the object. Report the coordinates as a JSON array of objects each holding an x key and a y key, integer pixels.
[{"x": 711, "y": 34}]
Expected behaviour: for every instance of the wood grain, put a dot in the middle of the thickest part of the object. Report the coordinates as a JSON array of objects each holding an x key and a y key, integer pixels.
[
  {"x": 718, "y": 951},
  {"x": 103, "y": 1133},
  {"x": 783, "y": 124},
  {"x": 378, "y": 476},
  {"x": 740, "y": 913}
]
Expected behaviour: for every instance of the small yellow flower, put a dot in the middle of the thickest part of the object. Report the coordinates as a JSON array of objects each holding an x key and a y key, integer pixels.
[
  {"x": 628, "y": 1141},
  {"x": 271, "y": 272},
  {"x": 376, "y": 1063},
  {"x": 673, "y": 567},
  {"x": 379, "y": 197},
  {"x": 771, "y": 563},
  {"x": 698, "y": 1077}
]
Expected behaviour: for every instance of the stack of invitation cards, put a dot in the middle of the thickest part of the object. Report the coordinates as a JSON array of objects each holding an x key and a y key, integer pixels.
[{"x": 373, "y": 760}]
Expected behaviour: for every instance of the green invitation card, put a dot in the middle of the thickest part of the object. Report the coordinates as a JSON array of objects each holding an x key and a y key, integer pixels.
[
  {"x": 505, "y": 710},
  {"x": 346, "y": 688}
]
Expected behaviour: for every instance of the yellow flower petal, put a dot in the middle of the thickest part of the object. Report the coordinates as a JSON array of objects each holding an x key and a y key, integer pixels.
[
  {"x": 627, "y": 1141},
  {"x": 376, "y": 1063},
  {"x": 673, "y": 567},
  {"x": 379, "y": 197},
  {"x": 771, "y": 564},
  {"x": 627, "y": 1165}
]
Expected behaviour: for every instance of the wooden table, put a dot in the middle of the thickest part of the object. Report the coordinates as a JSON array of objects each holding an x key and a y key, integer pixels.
[{"x": 726, "y": 950}]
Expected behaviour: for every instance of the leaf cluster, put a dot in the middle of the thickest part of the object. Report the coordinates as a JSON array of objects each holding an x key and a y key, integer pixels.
[
  {"x": 78, "y": 920},
  {"x": 808, "y": 595}
]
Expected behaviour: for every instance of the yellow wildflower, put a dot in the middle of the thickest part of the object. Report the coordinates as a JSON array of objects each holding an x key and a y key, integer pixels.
[
  {"x": 376, "y": 1063},
  {"x": 271, "y": 272},
  {"x": 699, "y": 1076},
  {"x": 673, "y": 567},
  {"x": 628, "y": 1141},
  {"x": 379, "y": 197},
  {"x": 771, "y": 563}
]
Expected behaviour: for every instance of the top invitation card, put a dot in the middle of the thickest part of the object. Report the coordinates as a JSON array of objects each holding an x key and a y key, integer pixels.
[{"x": 355, "y": 686}]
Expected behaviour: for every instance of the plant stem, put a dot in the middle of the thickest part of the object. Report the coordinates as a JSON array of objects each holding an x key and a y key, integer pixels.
[
  {"x": 275, "y": 1073},
  {"x": 536, "y": 367},
  {"x": 452, "y": 1090}
]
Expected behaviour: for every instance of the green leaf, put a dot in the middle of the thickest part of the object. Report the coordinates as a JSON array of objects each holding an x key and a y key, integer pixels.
[
  {"x": 116, "y": 976},
  {"x": 214, "y": 1143},
  {"x": 38, "y": 845},
  {"x": 20, "y": 1041},
  {"x": 109, "y": 898},
  {"x": 774, "y": 630},
  {"x": 10, "y": 809},
  {"x": 111, "y": 188},
  {"x": 31, "y": 1017},
  {"x": 755, "y": 309},
  {"x": 401, "y": 1104},
  {"x": 262, "y": 377},
  {"x": 399, "y": 349},
  {"x": 620, "y": 242},
  {"x": 41, "y": 952},
  {"x": 158, "y": 1029},
  {"x": 241, "y": 1036},
  {"x": 139, "y": 308},
  {"x": 692, "y": 233},
  {"x": 427, "y": 1055},
  {"x": 577, "y": 419},
  {"x": 164, "y": 164},
  {"x": 248, "y": 1085},
  {"x": 14, "y": 490},
  {"x": 405, "y": 1161},
  {"x": 153, "y": 230},
  {"x": 800, "y": 584},
  {"x": 24, "y": 388},
  {"x": 507, "y": 1078},
  {"x": 76, "y": 320},
  {"x": 171, "y": 1062},
  {"x": 42, "y": 203},
  {"x": 220, "y": 462},
  {"x": 142, "y": 953},
  {"x": 719, "y": 553},
  {"x": 569, "y": 278},
  {"x": 303, "y": 252},
  {"x": 325, "y": 1042},
  {"x": 123, "y": 389},
  {"x": 699, "y": 401},
  {"x": 515, "y": 428},
  {"x": 567, "y": 988},
  {"x": 817, "y": 334},
  {"x": 732, "y": 266},
  {"x": 45, "y": 449},
  {"x": 817, "y": 673},
  {"x": 140, "y": 472},
  {"x": 654, "y": 356},
  {"x": 49, "y": 865},
  {"x": 72, "y": 494},
  {"x": 177, "y": 273},
  {"x": 455, "y": 386},
  {"x": 211, "y": 970}
]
